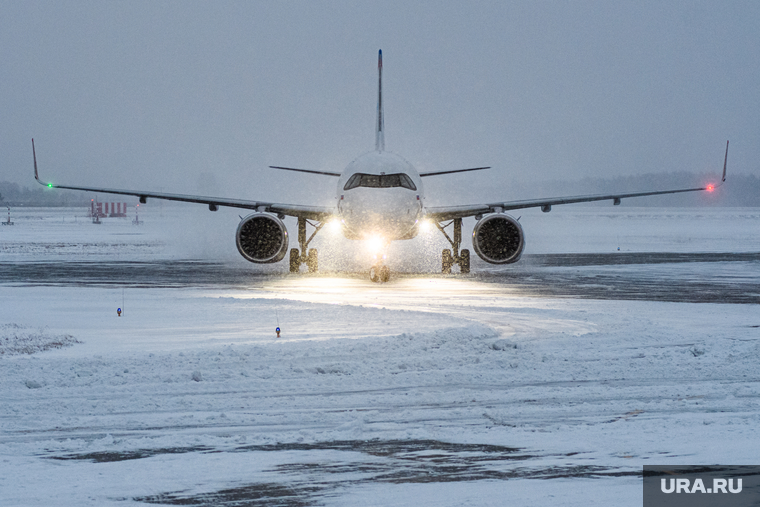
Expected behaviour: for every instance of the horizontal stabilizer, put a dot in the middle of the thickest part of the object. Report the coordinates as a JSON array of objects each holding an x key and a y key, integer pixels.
[{"x": 310, "y": 171}]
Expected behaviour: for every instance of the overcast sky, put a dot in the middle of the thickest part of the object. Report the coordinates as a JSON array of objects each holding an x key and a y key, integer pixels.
[{"x": 200, "y": 97}]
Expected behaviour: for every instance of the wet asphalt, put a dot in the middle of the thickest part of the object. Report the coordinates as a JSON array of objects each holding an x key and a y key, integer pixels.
[{"x": 731, "y": 278}]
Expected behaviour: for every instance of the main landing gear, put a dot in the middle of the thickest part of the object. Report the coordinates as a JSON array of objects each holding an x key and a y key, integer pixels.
[
  {"x": 305, "y": 255},
  {"x": 454, "y": 256}
]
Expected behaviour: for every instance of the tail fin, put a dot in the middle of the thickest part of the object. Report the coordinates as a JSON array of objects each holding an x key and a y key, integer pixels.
[{"x": 380, "y": 127}]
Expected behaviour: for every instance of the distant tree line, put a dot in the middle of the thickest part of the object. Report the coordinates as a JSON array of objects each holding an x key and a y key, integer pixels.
[
  {"x": 740, "y": 190},
  {"x": 12, "y": 194}
]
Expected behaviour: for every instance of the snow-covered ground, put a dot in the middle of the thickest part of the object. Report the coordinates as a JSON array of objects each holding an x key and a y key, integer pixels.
[{"x": 428, "y": 390}]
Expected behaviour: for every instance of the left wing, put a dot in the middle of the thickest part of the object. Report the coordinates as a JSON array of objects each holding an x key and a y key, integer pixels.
[
  {"x": 320, "y": 213},
  {"x": 451, "y": 212},
  {"x": 422, "y": 175}
]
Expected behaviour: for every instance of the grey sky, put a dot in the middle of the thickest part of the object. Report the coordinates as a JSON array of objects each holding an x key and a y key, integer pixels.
[{"x": 184, "y": 95}]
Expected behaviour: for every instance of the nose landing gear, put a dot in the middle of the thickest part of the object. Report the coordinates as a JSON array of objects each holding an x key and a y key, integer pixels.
[{"x": 379, "y": 273}]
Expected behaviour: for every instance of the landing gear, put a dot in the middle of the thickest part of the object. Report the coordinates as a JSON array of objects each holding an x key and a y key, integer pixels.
[
  {"x": 304, "y": 254},
  {"x": 295, "y": 260},
  {"x": 385, "y": 274},
  {"x": 454, "y": 256},
  {"x": 446, "y": 261},
  {"x": 311, "y": 261},
  {"x": 464, "y": 261},
  {"x": 378, "y": 273}
]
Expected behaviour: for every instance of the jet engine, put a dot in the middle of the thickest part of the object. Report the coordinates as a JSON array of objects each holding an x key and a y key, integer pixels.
[
  {"x": 498, "y": 239},
  {"x": 262, "y": 238}
]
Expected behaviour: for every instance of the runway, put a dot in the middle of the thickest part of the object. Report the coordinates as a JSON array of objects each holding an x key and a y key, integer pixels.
[{"x": 714, "y": 277}]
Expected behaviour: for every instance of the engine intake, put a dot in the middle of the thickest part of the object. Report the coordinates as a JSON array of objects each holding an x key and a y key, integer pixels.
[
  {"x": 498, "y": 239},
  {"x": 262, "y": 238}
]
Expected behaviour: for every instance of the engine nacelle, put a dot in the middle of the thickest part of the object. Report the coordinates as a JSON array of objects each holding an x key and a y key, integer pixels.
[
  {"x": 262, "y": 238},
  {"x": 498, "y": 239}
]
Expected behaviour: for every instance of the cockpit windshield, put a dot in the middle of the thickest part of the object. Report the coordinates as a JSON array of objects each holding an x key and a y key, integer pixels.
[{"x": 380, "y": 181}]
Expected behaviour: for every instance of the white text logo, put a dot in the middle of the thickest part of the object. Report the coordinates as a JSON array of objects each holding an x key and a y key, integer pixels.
[{"x": 685, "y": 486}]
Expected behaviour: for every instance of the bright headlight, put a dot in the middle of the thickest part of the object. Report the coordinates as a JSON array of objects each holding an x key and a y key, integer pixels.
[
  {"x": 334, "y": 225},
  {"x": 375, "y": 244}
]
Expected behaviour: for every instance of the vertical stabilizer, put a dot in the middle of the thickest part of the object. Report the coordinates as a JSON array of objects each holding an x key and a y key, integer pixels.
[{"x": 380, "y": 127}]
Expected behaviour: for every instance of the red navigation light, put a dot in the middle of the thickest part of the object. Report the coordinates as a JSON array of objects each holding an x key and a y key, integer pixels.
[{"x": 710, "y": 187}]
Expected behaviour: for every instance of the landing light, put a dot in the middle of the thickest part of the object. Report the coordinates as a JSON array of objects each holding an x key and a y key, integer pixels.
[
  {"x": 425, "y": 226},
  {"x": 334, "y": 225},
  {"x": 375, "y": 244}
]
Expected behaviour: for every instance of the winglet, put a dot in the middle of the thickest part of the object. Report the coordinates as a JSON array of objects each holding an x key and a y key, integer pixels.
[
  {"x": 34, "y": 154},
  {"x": 380, "y": 126},
  {"x": 725, "y": 160}
]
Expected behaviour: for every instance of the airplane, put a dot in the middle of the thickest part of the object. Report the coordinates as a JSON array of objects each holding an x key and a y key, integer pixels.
[{"x": 379, "y": 198}]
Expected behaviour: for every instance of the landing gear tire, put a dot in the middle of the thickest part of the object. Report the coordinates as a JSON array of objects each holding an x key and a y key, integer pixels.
[
  {"x": 464, "y": 261},
  {"x": 379, "y": 273},
  {"x": 374, "y": 273},
  {"x": 295, "y": 260},
  {"x": 311, "y": 261},
  {"x": 446, "y": 261}
]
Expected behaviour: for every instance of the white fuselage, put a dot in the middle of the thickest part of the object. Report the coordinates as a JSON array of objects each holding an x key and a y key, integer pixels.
[{"x": 380, "y": 195}]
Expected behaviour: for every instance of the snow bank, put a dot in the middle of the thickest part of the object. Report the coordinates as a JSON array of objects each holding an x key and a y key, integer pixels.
[{"x": 16, "y": 339}]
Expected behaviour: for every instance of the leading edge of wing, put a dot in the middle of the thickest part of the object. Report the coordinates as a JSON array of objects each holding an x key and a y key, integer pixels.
[
  {"x": 438, "y": 173},
  {"x": 310, "y": 212},
  {"x": 451, "y": 212},
  {"x": 309, "y": 171}
]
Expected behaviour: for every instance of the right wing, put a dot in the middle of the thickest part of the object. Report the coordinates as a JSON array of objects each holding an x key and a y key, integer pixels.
[
  {"x": 320, "y": 213},
  {"x": 450, "y": 212},
  {"x": 310, "y": 171}
]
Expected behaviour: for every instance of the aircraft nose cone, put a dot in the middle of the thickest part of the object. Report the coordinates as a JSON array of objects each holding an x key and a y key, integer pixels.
[{"x": 389, "y": 216}]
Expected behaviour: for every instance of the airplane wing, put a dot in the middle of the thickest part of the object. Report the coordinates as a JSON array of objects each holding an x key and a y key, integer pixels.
[
  {"x": 438, "y": 173},
  {"x": 320, "y": 213},
  {"x": 451, "y": 212}
]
